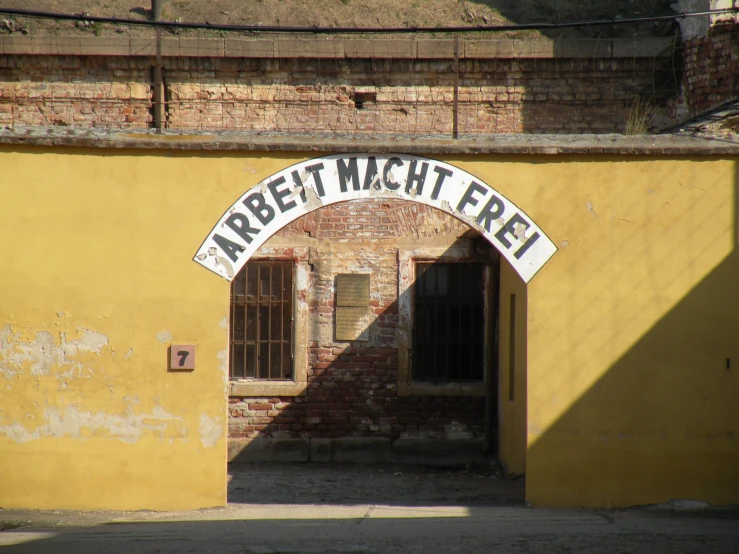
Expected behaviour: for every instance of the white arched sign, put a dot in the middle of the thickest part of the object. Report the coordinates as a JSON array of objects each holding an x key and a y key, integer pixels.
[{"x": 293, "y": 192}]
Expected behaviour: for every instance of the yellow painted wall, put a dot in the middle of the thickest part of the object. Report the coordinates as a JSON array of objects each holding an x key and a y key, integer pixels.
[
  {"x": 512, "y": 407},
  {"x": 628, "y": 328},
  {"x": 630, "y": 401},
  {"x": 97, "y": 281}
]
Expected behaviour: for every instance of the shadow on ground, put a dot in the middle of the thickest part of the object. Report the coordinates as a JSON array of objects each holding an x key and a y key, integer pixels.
[
  {"x": 380, "y": 530},
  {"x": 385, "y": 484}
]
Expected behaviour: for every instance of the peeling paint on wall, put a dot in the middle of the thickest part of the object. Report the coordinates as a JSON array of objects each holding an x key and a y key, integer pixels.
[
  {"x": 223, "y": 357},
  {"x": 590, "y": 208},
  {"x": 210, "y": 430},
  {"x": 164, "y": 337},
  {"x": 71, "y": 422},
  {"x": 43, "y": 353}
]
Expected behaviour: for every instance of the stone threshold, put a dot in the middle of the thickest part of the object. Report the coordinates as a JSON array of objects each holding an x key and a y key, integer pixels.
[
  {"x": 339, "y": 47},
  {"x": 193, "y": 142},
  {"x": 359, "y": 450}
]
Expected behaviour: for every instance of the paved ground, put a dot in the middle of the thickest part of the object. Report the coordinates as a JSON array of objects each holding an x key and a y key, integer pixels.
[
  {"x": 346, "y": 484},
  {"x": 373, "y": 510}
]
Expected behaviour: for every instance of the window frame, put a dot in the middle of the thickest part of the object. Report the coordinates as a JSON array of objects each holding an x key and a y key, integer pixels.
[
  {"x": 299, "y": 383},
  {"x": 460, "y": 251},
  {"x": 475, "y": 270}
]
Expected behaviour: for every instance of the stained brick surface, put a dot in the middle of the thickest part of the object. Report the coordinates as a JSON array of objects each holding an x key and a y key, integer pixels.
[
  {"x": 411, "y": 97},
  {"x": 75, "y": 91},
  {"x": 407, "y": 96}
]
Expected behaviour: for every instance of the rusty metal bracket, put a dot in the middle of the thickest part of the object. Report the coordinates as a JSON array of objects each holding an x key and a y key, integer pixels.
[
  {"x": 455, "y": 131},
  {"x": 158, "y": 85}
]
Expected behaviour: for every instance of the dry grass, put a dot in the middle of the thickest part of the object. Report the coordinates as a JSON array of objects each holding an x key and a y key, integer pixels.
[{"x": 640, "y": 116}]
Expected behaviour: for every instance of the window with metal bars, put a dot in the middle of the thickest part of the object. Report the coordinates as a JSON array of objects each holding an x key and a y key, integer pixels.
[
  {"x": 262, "y": 321},
  {"x": 448, "y": 322}
]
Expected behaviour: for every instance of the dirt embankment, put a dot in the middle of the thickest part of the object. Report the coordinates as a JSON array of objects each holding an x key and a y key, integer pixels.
[{"x": 347, "y": 13}]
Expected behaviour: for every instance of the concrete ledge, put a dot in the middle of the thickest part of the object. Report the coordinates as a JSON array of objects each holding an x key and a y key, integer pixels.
[
  {"x": 382, "y": 48},
  {"x": 358, "y": 450},
  {"x": 337, "y": 47},
  {"x": 361, "y": 450},
  {"x": 648, "y": 145},
  {"x": 320, "y": 450},
  {"x": 269, "y": 388},
  {"x": 437, "y": 452},
  {"x": 575, "y": 48},
  {"x": 268, "y": 450},
  {"x": 643, "y": 48}
]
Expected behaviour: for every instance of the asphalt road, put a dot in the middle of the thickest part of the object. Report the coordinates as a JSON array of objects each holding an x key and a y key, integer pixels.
[{"x": 464, "y": 512}]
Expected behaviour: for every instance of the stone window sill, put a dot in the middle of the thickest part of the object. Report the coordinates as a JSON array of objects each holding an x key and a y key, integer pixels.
[{"x": 267, "y": 388}]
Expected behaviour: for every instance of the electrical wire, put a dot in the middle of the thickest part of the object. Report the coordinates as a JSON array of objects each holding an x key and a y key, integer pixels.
[{"x": 36, "y": 14}]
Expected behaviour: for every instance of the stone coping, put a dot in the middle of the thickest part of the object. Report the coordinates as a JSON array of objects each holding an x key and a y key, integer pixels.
[
  {"x": 337, "y": 47},
  {"x": 650, "y": 145}
]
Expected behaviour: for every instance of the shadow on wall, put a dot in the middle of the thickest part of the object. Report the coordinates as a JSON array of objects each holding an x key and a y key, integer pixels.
[
  {"x": 662, "y": 423},
  {"x": 589, "y": 91},
  {"x": 665, "y": 414},
  {"x": 560, "y": 11}
]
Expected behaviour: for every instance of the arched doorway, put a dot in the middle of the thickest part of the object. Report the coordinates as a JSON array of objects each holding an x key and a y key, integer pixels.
[{"x": 390, "y": 301}]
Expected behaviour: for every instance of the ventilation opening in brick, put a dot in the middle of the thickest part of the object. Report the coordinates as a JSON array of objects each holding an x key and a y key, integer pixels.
[{"x": 360, "y": 98}]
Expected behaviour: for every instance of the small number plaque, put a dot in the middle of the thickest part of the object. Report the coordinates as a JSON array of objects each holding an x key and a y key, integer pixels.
[{"x": 182, "y": 356}]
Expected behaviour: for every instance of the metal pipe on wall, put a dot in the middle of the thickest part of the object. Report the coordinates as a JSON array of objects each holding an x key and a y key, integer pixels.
[
  {"x": 156, "y": 10},
  {"x": 455, "y": 124}
]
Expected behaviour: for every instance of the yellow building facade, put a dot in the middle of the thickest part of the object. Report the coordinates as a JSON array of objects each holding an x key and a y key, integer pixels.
[{"x": 617, "y": 371}]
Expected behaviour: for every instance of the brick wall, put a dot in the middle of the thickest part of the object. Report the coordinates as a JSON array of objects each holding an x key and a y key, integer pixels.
[
  {"x": 410, "y": 96},
  {"x": 711, "y": 75},
  {"x": 342, "y": 414},
  {"x": 374, "y": 221},
  {"x": 81, "y": 91},
  {"x": 352, "y": 387},
  {"x": 404, "y": 96}
]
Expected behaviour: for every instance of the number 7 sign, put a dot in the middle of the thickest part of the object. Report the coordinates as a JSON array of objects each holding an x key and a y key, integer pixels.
[{"x": 182, "y": 356}]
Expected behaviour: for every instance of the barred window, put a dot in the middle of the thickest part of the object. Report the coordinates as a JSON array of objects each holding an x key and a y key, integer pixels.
[
  {"x": 262, "y": 321},
  {"x": 448, "y": 322}
]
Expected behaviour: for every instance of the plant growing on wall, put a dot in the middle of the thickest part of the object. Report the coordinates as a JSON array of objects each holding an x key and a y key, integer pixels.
[{"x": 639, "y": 117}]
